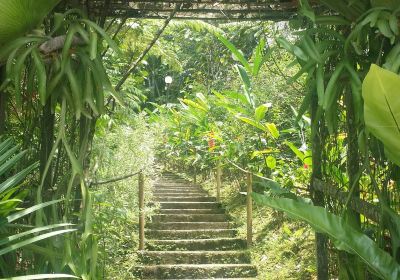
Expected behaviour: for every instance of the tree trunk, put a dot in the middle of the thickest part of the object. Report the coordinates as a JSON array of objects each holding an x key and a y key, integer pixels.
[
  {"x": 3, "y": 103},
  {"x": 321, "y": 240},
  {"x": 353, "y": 158},
  {"x": 46, "y": 144},
  {"x": 350, "y": 266}
]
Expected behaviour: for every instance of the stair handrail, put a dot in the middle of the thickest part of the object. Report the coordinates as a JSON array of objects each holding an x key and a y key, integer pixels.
[{"x": 249, "y": 199}]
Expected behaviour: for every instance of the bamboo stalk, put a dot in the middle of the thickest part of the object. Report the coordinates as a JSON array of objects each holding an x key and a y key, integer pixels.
[
  {"x": 249, "y": 209},
  {"x": 141, "y": 211}
]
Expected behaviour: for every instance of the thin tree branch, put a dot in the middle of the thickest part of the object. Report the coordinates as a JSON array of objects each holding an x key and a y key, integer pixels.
[
  {"x": 110, "y": 24},
  {"x": 103, "y": 18},
  {"x": 247, "y": 171},
  {"x": 140, "y": 58},
  {"x": 116, "y": 179},
  {"x": 121, "y": 24},
  {"x": 57, "y": 43}
]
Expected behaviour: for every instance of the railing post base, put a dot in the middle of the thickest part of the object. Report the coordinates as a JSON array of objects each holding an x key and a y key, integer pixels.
[
  {"x": 218, "y": 178},
  {"x": 141, "y": 211},
  {"x": 249, "y": 202}
]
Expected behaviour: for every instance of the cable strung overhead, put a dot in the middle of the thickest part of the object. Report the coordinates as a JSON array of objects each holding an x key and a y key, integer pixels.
[{"x": 275, "y": 10}]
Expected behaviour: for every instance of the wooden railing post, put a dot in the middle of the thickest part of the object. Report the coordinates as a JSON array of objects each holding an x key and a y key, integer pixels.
[
  {"x": 141, "y": 211},
  {"x": 218, "y": 178},
  {"x": 249, "y": 201}
]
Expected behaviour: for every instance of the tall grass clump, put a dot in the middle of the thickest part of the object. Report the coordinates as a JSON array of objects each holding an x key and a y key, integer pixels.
[{"x": 122, "y": 146}]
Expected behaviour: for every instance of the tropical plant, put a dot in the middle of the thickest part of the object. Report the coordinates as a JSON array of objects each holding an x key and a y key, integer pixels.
[
  {"x": 21, "y": 17},
  {"x": 58, "y": 75},
  {"x": 21, "y": 238},
  {"x": 344, "y": 235},
  {"x": 382, "y": 107}
]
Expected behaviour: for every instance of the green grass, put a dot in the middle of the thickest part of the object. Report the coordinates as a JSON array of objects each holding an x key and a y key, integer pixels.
[{"x": 282, "y": 248}]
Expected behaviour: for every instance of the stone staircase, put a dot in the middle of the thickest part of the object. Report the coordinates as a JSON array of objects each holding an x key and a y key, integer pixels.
[{"x": 191, "y": 237}]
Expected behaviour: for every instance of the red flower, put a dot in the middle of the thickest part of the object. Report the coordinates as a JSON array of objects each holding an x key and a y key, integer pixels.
[
  {"x": 211, "y": 143},
  {"x": 305, "y": 166}
]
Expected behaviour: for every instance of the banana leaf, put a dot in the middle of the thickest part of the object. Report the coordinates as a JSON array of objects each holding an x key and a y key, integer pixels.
[
  {"x": 18, "y": 17},
  {"x": 345, "y": 237},
  {"x": 381, "y": 93}
]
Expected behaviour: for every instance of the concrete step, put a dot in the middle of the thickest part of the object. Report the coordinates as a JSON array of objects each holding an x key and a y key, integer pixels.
[
  {"x": 191, "y": 237},
  {"x": 189, "y": 205},
  {"x": 179, "y": 187},
  {"x": 161, "y": 218},
  {"x": 189, "y": 225},
  {"x": 196, "y": 271},
  {"x": 190, "y": 234},
  {"x": 179, "y": 191},
  {"x": 192, "y": 211},
  {"x": 171, "y": 177},
  {"x": 179, "y": 194},
  {"x": 194, "y": 257},
  {"x": 215, "y": 244},
  {"x": 186, "y": 198},
  {"x": 175, "y": 185},
  {"x": 216, "y": 279}
]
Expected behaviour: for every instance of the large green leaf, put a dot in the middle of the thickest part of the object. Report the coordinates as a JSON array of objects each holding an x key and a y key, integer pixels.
[
  {"x": 381, "y": 93},
  {"x": 18, "y": 17},
  {"x": 345, "y": 236}
]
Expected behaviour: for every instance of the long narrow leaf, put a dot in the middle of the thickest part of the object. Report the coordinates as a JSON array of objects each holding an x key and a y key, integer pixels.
[
  {"x": 5, "y": 158},
  {"x": 252, "y": 122},
  {"x": 41, "y": 276},
  {"x": 28, "y": 232},
  {"x": 17, "y": 178},
  {"x": 33, "y": 240},
  {"x": 5, "y": 145},
  {"x": 258, "y": 57},
  {"x": 20, "y": 214},
  {"x": 41, "y": 76},
  {"x": 238, "y": 54},
  {"x": 99, "y": 30}
]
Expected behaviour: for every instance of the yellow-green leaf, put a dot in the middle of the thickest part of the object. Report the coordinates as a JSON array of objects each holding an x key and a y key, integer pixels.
[
  {"x": 272, "y": 129},
  {"x": 271, "y": 162},
  {"x": 381, "y": 93}
]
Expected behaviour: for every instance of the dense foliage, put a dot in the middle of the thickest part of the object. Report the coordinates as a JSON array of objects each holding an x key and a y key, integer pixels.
[{"x": 310, "y": 107}]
